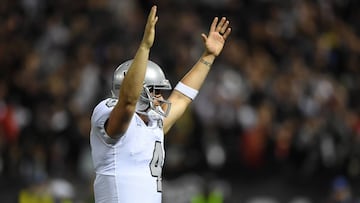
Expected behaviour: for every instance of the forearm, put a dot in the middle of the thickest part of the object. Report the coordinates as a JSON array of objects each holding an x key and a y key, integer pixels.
[
  {"x": 191, "y": 83},
  {"x": 197, "y": 75},
  {"x": 128, "y": 96},
  {"x": 214, "y": 43},
  {"x": 133, "y": 82},
  {"x": 184, "y": 93}
]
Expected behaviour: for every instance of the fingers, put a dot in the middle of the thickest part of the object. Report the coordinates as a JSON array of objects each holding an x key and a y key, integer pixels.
[
  {"x": 227, "y": 33},
  {"x": 222, "y": 27},
  {"x": 152, "y": 18},
  {"x": 149, "y": 32},
  {"x": 213, "y": 24},
  {"x": 204, "y": 37},
  {"x": 152, "y": 13}
]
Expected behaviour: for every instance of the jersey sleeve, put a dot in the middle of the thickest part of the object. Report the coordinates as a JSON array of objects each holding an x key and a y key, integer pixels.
[{"x": 100, "y": 115}]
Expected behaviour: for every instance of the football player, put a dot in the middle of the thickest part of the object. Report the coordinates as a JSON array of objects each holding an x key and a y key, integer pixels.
[{"x": 127, "y": 130}]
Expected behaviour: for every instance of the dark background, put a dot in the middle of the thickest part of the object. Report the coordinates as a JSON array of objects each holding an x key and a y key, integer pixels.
[{"x": 276, "y": 121}]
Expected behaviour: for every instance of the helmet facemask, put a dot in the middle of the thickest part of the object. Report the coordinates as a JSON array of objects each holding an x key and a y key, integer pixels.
[{"x": 148, "y": 98}]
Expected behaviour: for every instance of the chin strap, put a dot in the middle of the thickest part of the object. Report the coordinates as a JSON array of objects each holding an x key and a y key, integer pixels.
[{"x": 152, "y": 114}]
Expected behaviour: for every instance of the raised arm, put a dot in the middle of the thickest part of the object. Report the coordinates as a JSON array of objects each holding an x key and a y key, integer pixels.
[
  {"x": 132, "y": 84},
  {"x": 190, "y": 84}
]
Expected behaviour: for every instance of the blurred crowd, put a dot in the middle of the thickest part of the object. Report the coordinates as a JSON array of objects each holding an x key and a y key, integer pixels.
[{"x": 282, "y": 100}]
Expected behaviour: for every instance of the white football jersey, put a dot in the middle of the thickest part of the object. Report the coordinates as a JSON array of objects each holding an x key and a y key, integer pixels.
[{"x": 128, "y": 170}]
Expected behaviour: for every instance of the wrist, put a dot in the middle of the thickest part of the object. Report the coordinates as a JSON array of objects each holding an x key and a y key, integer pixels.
[
  {"x": 144, "y": 47},
  {"x": 206, "y": 53},
  {"x": 207, "y": 59},
  {"x": 205, "y": 62},
  {"x": 186, "y": 90}
]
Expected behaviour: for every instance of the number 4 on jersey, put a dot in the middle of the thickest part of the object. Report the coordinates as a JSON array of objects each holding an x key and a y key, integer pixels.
[{"x": 156, "y": 164}]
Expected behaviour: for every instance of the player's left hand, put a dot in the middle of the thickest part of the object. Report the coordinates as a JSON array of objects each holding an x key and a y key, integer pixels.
[{"x": 215, "y": 40}]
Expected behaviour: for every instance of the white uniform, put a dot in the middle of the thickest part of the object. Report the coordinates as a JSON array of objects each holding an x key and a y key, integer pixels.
[{"x": 128, "y": 170}]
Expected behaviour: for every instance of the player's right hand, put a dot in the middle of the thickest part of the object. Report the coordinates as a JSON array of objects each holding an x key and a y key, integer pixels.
[{"x": 149, "y": 33}]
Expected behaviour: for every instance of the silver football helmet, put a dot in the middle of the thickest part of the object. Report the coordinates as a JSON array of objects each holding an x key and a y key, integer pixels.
[{"x": 154, "y": 80}]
